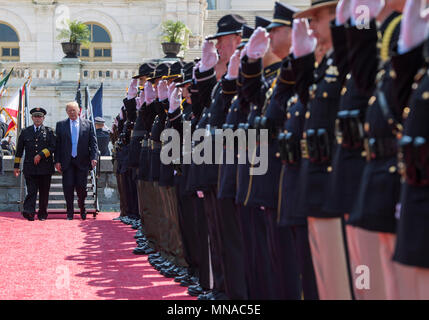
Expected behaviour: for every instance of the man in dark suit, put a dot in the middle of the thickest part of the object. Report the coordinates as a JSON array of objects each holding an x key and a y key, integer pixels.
[
  {"x": 38, "y": 143},
  {"x": 76, "y": 153}
]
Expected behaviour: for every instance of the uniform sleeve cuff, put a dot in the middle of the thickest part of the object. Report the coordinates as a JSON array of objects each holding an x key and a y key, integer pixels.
[
  {"x": 204, "y": 76},
  {"x": 251, "y": 69},
  {"x": 229, "y": 86}
]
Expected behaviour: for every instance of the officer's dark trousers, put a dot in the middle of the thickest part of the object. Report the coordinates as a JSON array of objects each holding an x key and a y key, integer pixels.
[
  {"x": 305, "y": 263},
  {"x": 246, "y": 231},
  {"x": 203, "y": 239},
  {"x": 232, "y": 250},
  {"x": 264, "y": 271},
  {"x": 122, "y": 195},
  {"x": 211, "y": 210},
  {"x": 131, "y": 192},
  {"x": 34, "y": 183},
  {"x": 283, "y": 259},
  {"x": 74, "y": 178},
  {"x": 189, "y": 232}
]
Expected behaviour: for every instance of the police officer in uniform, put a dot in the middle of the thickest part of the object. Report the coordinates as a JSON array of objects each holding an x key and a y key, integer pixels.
[
  {"x": 103, "y": 136},
  {"x": 38, "y": 142},
  {"x": 3, "y": 130}
]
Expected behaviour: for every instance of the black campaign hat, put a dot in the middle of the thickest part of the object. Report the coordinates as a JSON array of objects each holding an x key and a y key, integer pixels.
[
  {"x": 174, "y": 71},
  {"x": 38, "y": 112},
  {"x": 283, "y": 16},
  {"x": 229, "y": 24},
  {"x": 145, "y": 70},
  {"x": 186, "y": 74},
  {"x": 161, "y": 70},
  {"x": 261, "y": 22},
  {"x": 245, "y": 35},
  {"x": 315, "y": 6}
]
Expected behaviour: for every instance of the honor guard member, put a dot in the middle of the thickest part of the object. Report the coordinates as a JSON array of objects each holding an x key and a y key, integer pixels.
[
  {"x": 370, "y": 49},
  {"x": 103, "y": 136},
  {"x": 262, "y": 194},
  {"x": 204, "y": 177},
  {"x": 38, "y": 142},
  {"x": 412, "y": 242},
  {"x": 349, "y": 161},
  {"x": 319, "y": 87}
]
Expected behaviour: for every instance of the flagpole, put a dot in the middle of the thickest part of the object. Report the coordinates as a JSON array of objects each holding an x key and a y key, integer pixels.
[{"x": 18, "y": 132}]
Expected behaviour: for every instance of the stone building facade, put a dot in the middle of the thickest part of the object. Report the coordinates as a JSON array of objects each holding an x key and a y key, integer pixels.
[{"x": 132, "y": 27}]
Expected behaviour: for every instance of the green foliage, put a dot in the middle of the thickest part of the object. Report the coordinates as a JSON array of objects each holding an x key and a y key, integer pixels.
[
  {"x": 175, "y": 32},
  {"x": 76, "y": 32}
]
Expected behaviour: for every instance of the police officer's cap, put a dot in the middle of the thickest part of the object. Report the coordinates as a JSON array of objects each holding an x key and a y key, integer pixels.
[
  {"x": 38, "y": 112},
  {"x": 145, "y": 69},
  {"x": 99, "y": 120},
  {"x": 283, "y": 16},
  {"x": 161, "y": 70},
  {"x": 316, "y": 5},
  {"x": 229, "y": 24},
  {"x": 261, "y": 22},
  {"x": 245, "y": 35},
  {"x": 186, "y": 74},
  {"x": 174, "y": 71}
]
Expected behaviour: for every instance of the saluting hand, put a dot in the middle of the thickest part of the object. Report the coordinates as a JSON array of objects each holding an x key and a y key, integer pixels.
[
  {"x": 302, "y": 41},
  {"x": 150, "y": 93},
  {"x": 359, "y": 7},
  {"x": 171, "y": 88},
  {"x": 139, "y": 100},
  {"x": 233, "y": 66},
  {"x": 258, "y": 43},
  {"x": 37, "y": 159},
  {"x": 175, "y": 100},
  {"x": 343, "y": 12},
  {"x": 413, "y": 25},
  {"x": 209, "y": 57},
  {"x": 162, "y": 90},
  {"x": 132, "y": 89}
]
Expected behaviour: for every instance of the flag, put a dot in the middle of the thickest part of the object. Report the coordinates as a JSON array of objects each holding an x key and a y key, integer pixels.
[
  {"x": 78, "y": 97},
  {"x": 3, "y": 82},
  {"x": 97, "y": 103},
  {"x": 12, "y": 108}
]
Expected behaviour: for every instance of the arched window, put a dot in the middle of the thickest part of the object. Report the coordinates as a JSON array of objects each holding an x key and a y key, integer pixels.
[
  {"x": 100, "y": 48},
  {"x": 9, "y": 43}
]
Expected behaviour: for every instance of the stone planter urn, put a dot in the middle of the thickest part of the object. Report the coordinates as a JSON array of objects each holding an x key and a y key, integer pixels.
[
  {"x": 71, "y": 49},
  {"x": 171, "y": 49}
]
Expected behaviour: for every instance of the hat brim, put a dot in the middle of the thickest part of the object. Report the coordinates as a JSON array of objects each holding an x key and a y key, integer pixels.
[
  {"x": 308, "y": 13},
  {"x": 221, "y": 34},
  {"x": 181, "y": 84},
  {"x": 273, "y": 25},
  {"x": 140, "y": 75},
  {"x": 41, "y": 114},
  {"x": 173, "y": 76}
]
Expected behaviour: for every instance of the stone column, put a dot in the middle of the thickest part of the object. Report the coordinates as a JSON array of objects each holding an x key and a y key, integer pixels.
[{"x": 70, "y": 70}]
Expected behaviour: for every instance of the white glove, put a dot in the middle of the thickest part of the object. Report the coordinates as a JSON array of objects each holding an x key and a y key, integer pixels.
[
  {"x": 140, "y": 100},
  {"x": 233, "y": 66},
  {"x": 121, "y": 115},
  {"x": 150, "y": 93},
  {"x": 195, "y": 68},
  {"x": 162, "y": 90},
  {"x": 209, "y": 57},
  {"x": 243, "y": 52},
  {"x": 343, "y": 12},
  {"x": 302, "y": 41},
  {"x": 132, "y": 89},
  {"x": 258, "y": 43},
  {"x": 175, "y": 100},
  {"x": 413, "y": 25},
  {"x": 359, "y": 9}
]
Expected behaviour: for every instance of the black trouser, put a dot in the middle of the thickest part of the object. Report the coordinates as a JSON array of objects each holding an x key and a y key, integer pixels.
[
  {"x": 283, "y": 258},
  {"x": 211, "y": 210},
  {"x": 264, "y": 280},
  {"x": 232, "y": 250},
  {"x": 41, "y": 183},
  {"x": 203, "y": 239},
  {"x": 131, "y": 191},
  {"x": 74, "y": 178},
  {"x": 189, "y": 231}
]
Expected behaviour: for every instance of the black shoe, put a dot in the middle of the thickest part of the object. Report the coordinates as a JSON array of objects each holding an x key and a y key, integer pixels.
[
  {"x": 195, "y": 290},
  {"x": 186, "y": 282},
  {"x": 138, "y": 234},
  {"x": 182, "y": 277},
  {"x": 157, "y": 260},
  {"x": 83, "y": 215},
  {"x": 206, "y": 296},
  {"x": 142, "y": 250},
  {"x": 155, "y": 256},
  {"x": 28, "y": 216},
  {"x": 117, "y": 218},
  {"x": 165, "y": 265},
  {"x": 69, "y": 218}
]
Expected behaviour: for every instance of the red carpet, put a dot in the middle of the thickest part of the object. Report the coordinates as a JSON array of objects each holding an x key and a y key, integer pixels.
[{"x": 91, "y": 259}]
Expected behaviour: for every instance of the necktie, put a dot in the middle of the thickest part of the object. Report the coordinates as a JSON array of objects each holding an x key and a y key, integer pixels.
[{"x": 74, "y": 139}]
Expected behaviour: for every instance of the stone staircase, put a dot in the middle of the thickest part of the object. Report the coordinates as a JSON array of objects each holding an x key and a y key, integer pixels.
[{"x": 57, "y": 203}]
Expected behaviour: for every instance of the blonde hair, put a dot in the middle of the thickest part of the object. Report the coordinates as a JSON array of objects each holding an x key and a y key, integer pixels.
[{"x": 72, "y": 104}]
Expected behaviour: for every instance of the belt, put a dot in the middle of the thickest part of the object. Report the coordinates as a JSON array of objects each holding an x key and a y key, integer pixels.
[
  {"x": 155, "y": 144},
  {"x": 380, "y": 148},
  {"x": 349, "y": 129},
  {"x": 139, "y": 133},
  {"x": 413, "y": 160},
  {"x": 317, "y": 146}
]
